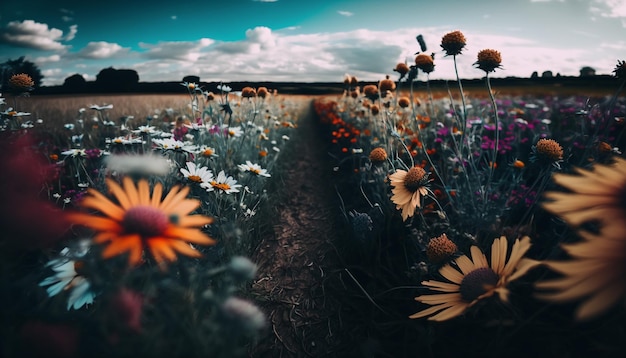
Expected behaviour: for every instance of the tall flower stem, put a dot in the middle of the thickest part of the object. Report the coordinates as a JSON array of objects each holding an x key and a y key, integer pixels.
[
  {"x": 497, "y": 133},
  {"x": 464, "y": 113}
]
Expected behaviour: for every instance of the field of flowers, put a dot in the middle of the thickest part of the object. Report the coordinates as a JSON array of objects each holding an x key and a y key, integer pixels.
[
  {"x": 127, "y": 235},
  {"x": 494, "y": 224},
  {"x": 480, "y": 225}
]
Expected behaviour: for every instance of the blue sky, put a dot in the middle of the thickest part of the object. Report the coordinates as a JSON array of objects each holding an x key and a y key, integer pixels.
[{"x": 307, "y": 41}]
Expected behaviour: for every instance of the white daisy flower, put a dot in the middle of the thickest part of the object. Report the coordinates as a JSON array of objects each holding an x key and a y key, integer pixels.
[
  {"x": 234, "y": 131},
  {"x": 197, "y": 174},
  {"x": 207, "y": 152},
  {"x": 254, "y": 169},
  {"x": 224, "y": 183},
  {"x": 67, "y": 277},
  {"x": 75, "y": 153}
]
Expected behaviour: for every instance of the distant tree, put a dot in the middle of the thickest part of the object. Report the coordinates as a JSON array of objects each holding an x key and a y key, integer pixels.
[
  {"x": 75, "y": 81},
  {"x": 534, "y": 75},
  {"x": 587, "y": 71},
  {"x": 547, "y": 74},
  {"x": 14, "y": 67},
  {"x": 112, "y": 80},
  {"x": 189, "y": 79}
]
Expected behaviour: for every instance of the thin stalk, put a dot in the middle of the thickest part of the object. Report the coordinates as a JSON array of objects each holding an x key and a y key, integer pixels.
[{"x": 497, "y": 135}]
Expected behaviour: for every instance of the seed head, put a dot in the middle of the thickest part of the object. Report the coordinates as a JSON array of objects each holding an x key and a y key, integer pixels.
[
  {"x": 378, "y": 155},
  {"x": 440, "y": 249},
  {"x": 404, "y": 102},
  {"x": 550, "y": 149},
  {"x": 488, "y": 60},
  {"x": 415, "y": 178},
  {"x": 453, "y": 43},
  {"x": 248, "y": 92},
  {"x": 262, "y": 92},
  {"x": 387, "y": 85},
  {"x": 425, "y": 63},
  {"x": 620, "y": 70},
  {"x": 402, "y": 68},
  {"x": 21, "y": 82}
]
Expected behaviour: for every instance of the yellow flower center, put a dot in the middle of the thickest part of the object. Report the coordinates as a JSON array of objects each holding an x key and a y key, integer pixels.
[
  {"x": 477, "y": 283},
  {"x": 195, "y": 179},
  {"x": 146, "y": 221},
  {"x": 221, "y": 186},
  {"x": 207, "y": 153},
  {"x": 414, "y": 179},
  {"x": 255, "y": 171}
]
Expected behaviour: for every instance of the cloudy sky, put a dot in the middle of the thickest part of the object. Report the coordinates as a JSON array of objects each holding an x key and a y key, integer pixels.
[{"x": 307, "y": 41}]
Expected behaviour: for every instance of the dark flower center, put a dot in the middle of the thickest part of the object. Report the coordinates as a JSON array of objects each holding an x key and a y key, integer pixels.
[
  {"x": 477, "y": 283},
  {"x": 414, "y": 179},
  {"x": 146, "y": 221}
]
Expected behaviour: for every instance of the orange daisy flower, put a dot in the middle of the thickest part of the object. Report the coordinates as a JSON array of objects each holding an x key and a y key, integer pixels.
[{"x": 141, "y": 221}]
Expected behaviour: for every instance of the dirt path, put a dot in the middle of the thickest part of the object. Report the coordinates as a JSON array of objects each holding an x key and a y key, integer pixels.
[{"x": 296, "y": 261}]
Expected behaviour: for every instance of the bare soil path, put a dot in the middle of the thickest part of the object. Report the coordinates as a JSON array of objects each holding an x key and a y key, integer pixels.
[{"x": 304, "y": 319}]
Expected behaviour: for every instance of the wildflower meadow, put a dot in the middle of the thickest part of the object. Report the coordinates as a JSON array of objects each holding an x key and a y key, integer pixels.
[{"x": 474, "y": 223}]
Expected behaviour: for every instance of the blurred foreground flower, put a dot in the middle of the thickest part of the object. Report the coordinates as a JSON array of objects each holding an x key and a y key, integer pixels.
[
  {"x": 141, "y": 219},
  {"x": 596, "y": 272},
  {"x": 68, "y": 276},
  {"x": 138, "y": 164},
  {"x": 409, "y": 188},
  {"x": 477, "y": 279},
  {"x": 597, "y": 196},
  {"x": 24, "y": 176}
]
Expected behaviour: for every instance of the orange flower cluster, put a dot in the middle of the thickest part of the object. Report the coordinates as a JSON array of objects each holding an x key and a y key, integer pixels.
[{"x": 343, "y": 134}]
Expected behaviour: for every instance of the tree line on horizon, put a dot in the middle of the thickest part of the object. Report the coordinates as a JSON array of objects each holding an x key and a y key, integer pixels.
[{"x": 111, "y": 80}]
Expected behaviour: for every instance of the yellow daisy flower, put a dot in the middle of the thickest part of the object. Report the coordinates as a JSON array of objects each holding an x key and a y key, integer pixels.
[
  {"x": 598, "y": 195},
  {"x": 409, "y": 187},
  {"x": 596, "y": 275},
  {"x": 142, "y": 220},
  {"x": 476, "y": 280}
]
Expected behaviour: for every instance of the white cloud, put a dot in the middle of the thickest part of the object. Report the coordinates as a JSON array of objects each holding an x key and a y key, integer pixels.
[
  {"x": 173, "y": 17},
  {"x": 176, "y": 50},
  {"x": 67, "y": 18},
  {"x": 345, "y": 13},
  {"x": 611, "y": 8},
  {"x": 31, "y": 34},
  {"x": 101, "y": 50},
  {"x": 72, "y": 33},
  {"x": 48, "y": 59},
  {"x": 264, "y": 55}
]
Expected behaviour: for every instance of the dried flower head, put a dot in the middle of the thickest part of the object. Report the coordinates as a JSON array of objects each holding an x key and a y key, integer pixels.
[
  {"x": 402, "y": 68},
  {"x": 620, "y": 70},
  {"x": 375, "y": 109},
  {"x": 262, "y": 92},
  {"x": 488, "y": 60},
  {"x": 21, "y": 82},
  {"x": 404, "y": 102},
  {"x": 371, "y": 92},
  {"x": 387, "y": 85},
  {"x": 549, "y": 149},
  {"x": 378, "y": 155},
  {"x": 440, "y": 249},
  {"x": 453, "y": 43},
  {"x": 425, "y": 62},
  {"x": 248, "y": 92}
]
